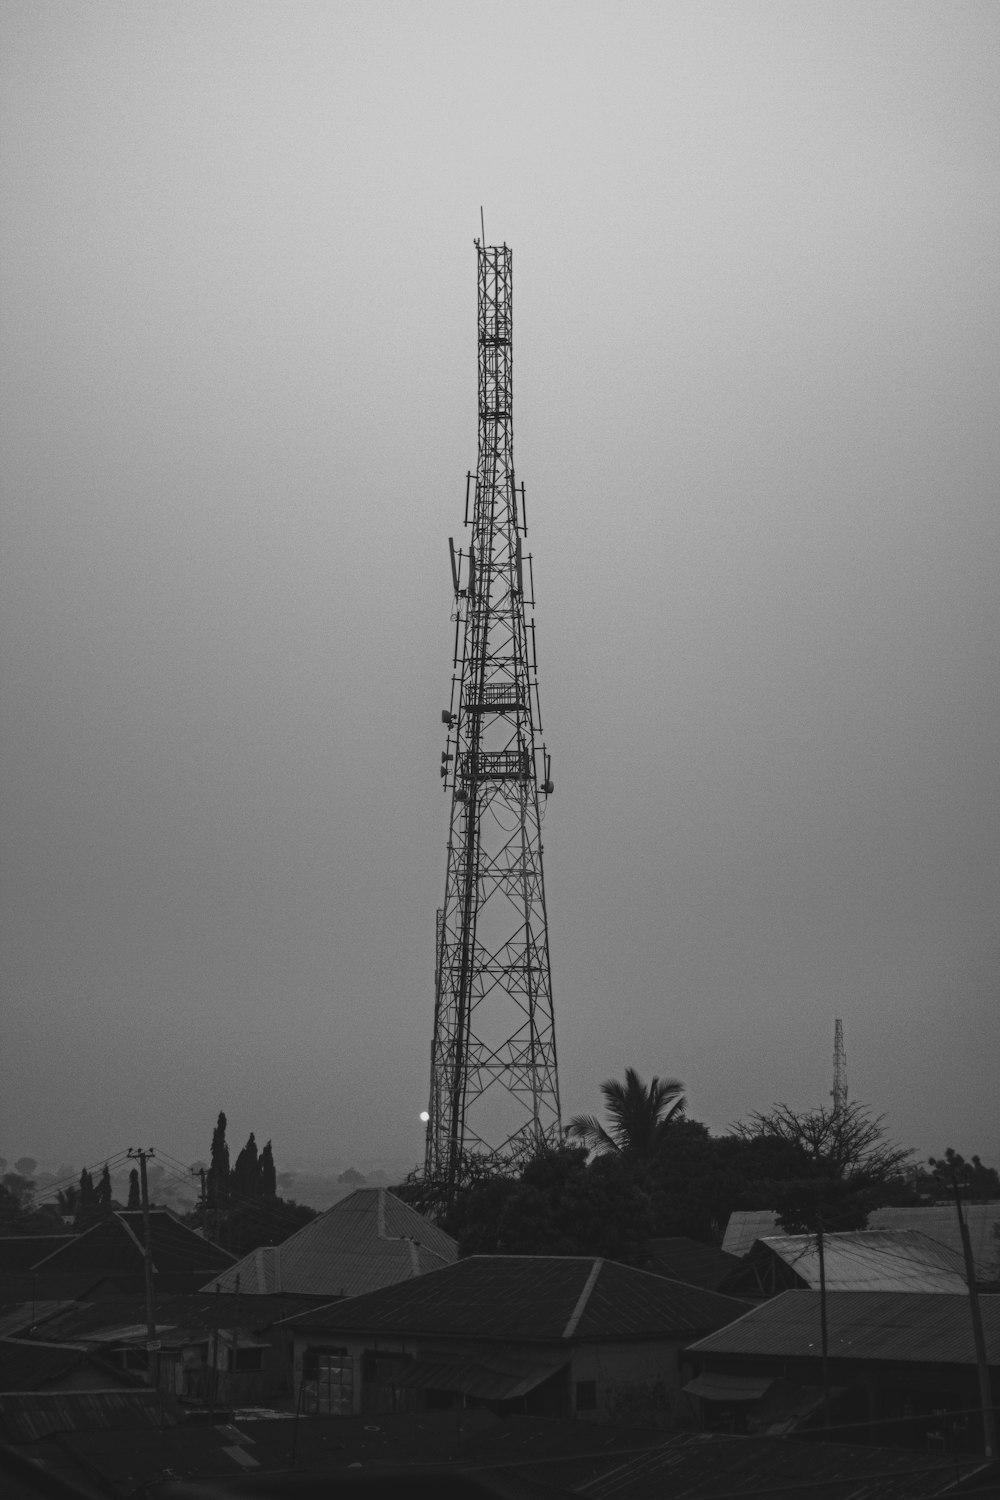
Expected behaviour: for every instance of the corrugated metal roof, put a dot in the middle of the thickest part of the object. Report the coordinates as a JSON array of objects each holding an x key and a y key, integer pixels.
[
  {"x": 939, "y": 1223},
  {"x": 919, "y": 1327},
  {"x": 113, "y": 1318},
  {"x": 718, "y": 1387},
  {"x": 26, "y": 1416},
  {"x": 684, "y": 1259},
  {"x": 872, "y": 1260},
  {"x": 691, "y": 1465},
  {"x": 369, "y": 1239},
  {"x": 116, "y": 1244},
  {"x": 497, "y": 1378},
  {"x": 19, "y": 1252},
  {"x": 531, "y": 1297}
]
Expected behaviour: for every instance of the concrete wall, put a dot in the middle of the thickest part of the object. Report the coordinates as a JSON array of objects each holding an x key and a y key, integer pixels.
[{"x": 637, "y": 1383}]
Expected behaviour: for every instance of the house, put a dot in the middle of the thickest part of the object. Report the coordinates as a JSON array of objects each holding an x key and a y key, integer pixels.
[
  {"x": 57, "y": 1367},
  {"x": 939, "y": 1223},
  {"x": 554, "y": 1336},
  {"x": 901, "y": 1365},
  {"x": 863, "y": 1260},
  {"x": 19, "y": 1252},
  {"x": 211, "y": 1347},
  {"x": 115, "y": 1246},
  {"x": 683, "y": 1259},
  {"x": 369, "y": 1239}
]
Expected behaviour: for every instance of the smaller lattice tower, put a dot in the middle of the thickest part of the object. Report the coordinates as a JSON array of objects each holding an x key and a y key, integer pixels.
[{"x": 839, "y": 1091}]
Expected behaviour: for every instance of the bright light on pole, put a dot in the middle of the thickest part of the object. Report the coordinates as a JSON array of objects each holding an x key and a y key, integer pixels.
[{"x": 424, "y": 1116}]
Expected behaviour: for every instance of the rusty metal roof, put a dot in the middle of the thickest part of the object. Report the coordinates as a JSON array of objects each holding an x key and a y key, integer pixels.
[
  {"x": 116, "y": 1244},
  {"x": 939, "y": 1222},
  {"x": 118, "y": 1319},
  {"x": 690, "y": 1465},
  {"x": 26, "y": 1416},
  {"x": 862, "y": 1260},
  {"x": 534, "y": 1298},
  {"x": 369, "y": 1239},
  {"x": 917, "y": 1327}
]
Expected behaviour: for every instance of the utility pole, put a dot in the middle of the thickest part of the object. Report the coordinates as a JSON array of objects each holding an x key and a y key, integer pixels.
[
  {"x": 494, "y": 1086},
  {"x": 978, "y": 1337},
  {"x": 824, "y": 1338},
  {"x": 152, "y": 1342}
]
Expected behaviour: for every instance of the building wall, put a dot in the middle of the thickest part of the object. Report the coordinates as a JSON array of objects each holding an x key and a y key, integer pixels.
[{"x": 628, "y": 1383}]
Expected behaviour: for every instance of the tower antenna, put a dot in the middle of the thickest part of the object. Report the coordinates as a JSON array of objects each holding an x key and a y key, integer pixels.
[
  {"x": 494, "y": 1089},
  {"x": 839, "y": 1091}
]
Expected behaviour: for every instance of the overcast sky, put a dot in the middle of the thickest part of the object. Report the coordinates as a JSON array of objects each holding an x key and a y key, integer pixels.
[{"x": 757, "y": 373}]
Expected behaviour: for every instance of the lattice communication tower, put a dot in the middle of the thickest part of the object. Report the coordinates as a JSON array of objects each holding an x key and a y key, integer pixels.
[
  {"x": 494, "y": 1087},
  {"x": 839, "y": 1091}
]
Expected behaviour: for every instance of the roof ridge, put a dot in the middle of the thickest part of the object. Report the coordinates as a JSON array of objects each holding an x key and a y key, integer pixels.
[
  {"x": 584, "y": 1297},
  {"x": 137, "y": 1242}
]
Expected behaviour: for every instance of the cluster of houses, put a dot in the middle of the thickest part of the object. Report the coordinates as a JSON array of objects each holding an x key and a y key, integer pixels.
[{"x": 367, "y": 1324}]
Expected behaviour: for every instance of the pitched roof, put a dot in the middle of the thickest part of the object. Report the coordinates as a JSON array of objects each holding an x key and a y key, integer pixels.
[
  {"x": 26, "y": 1416},
  {"x": 862, "y": 1260},
  {"x": 684, "y": 1259},
  {"x": 369, "y": 1239},
  {"x": 19, "y": 1252},
  {"x": 27, "y": 1367},
  {"x": 123, "y": 1319},
  {"x": 938, "y": 1222},
  {"x": 919, "y": 1327},
  {"x": 689, "y": 1465},
  {"x": 116, "y": 1244},
  {"x": 537, "y": 1298}
]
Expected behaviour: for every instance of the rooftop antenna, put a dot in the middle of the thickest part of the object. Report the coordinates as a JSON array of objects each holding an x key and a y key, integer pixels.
[{"x": 839, "y": 1091}]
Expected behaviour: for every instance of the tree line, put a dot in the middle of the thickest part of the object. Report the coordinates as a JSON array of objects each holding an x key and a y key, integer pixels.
[{"x": 648, "y": 1170}]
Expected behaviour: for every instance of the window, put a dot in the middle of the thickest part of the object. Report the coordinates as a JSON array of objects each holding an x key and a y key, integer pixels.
[
  {"x": 328, "y": 1382},
  {"x": 586, "y": 1395}
]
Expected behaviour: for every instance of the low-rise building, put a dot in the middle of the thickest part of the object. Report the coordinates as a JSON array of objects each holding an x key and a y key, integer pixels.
[
  {"x": 861, "y": 1260},
  {"x": 554, "y": 1336},
  {"x": 369, "y": 1239},
  {"x": 901, "y": 1366}
]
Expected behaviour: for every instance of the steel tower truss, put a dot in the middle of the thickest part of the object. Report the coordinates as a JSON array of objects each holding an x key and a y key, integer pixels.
[{"x": 494, "y": 1087}]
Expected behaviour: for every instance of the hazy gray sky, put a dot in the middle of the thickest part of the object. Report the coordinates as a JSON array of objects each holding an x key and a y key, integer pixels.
[{"x": 757, "y": 372}]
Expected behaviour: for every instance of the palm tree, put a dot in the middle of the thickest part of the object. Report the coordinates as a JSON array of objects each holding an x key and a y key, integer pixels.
[{"x": 638, "y": 1117}]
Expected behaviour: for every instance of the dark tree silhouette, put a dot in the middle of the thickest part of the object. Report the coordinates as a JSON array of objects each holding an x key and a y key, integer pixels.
[
  {"x": 218, "y": 1172},
  {"x": 849, "y": 1168},
  {"x": 134, "y": 1190},
  {"x": 246, "y": 1174},
  {"x": 268, "y": 1178},
  {"x": 102, "y": 1192},
  {"x": 639, "y": 1117}
]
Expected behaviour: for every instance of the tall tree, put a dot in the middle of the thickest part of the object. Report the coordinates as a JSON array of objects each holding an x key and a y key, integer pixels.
[
  {"x": 218, "y": 1172},
  {"x": 979, "y": 1181},
  {"x": 268, "y": 1176},
  {"x": 639, "y": 1117},
  {"x": 86, "y": 1207},
  {"x": 134, "y": 1190},
  {"x": 102, "y": 1192},
  {"x": 246, "y": 1173},
  {"x": 849, "y": 1167}
]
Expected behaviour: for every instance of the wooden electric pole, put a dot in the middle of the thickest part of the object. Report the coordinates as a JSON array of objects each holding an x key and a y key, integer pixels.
[{"x": 152, "y": 1342}]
